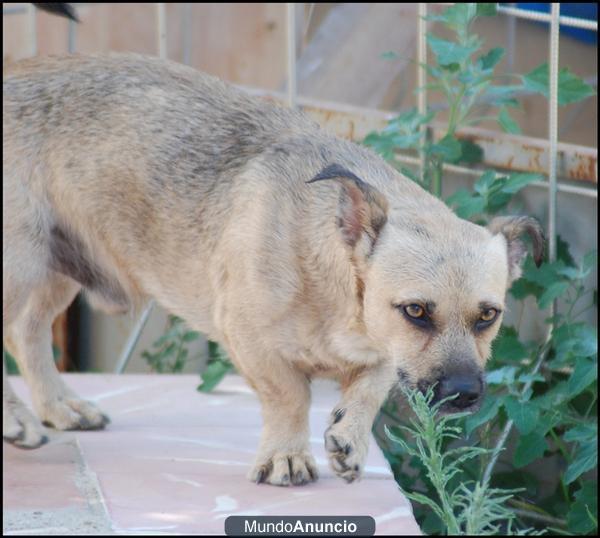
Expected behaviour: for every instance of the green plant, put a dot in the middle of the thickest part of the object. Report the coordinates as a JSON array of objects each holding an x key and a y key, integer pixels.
[
  {"x": 467, "y": 80},
  {"x": 542, "y": 396},
  {"x": 171, "y": 349},
  {"x": 217, "y": 367},
  {"x": 464, "y": 506},
  {"x": 171, "y": 352}
]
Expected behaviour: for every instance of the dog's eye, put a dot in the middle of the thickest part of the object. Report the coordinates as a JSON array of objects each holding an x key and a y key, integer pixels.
[
  {"x": 487, "y": 317},
  {"x": 416, "y": 314},
  {"x": 489, "y": 314},
  {"x": 415, "y": 311}
]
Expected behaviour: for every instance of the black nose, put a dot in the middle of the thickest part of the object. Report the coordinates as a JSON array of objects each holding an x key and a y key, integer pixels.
[{"x": 467, "y": 387}]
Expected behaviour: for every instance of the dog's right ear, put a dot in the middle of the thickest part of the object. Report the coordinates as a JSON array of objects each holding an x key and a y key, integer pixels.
[{"x": 362, "y": 209}]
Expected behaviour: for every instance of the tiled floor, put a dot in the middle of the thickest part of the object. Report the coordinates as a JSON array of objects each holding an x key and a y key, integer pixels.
[{"x": 173, "y": 461}]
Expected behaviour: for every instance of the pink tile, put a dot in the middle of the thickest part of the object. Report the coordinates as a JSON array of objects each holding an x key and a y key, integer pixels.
[
  {"x": 40, "y": 479},
  {"x": 175, "y": 460}
]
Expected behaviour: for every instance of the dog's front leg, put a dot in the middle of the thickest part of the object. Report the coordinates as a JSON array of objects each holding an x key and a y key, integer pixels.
[
  {"x": 284, "y": 456},
  {"x": 347, "y": 438}
]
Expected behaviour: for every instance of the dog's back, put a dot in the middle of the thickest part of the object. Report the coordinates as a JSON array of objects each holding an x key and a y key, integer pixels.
[{"x": 84, "y": 133}]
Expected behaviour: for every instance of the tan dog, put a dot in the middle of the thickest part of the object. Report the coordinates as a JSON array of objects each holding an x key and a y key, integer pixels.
[{"x": 302, "y": 254}]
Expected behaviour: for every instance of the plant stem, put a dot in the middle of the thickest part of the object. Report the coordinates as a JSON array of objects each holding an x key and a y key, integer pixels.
[
  {"x": 537, "y": 516},
  {"x": 508, "y": 427},
  {"x": 436, "y": 183},
  {"x": 561, "y": 446},
  {"x": 591, "y": 406}
]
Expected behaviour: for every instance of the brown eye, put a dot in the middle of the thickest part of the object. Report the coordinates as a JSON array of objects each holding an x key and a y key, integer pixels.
[
  {"x": 414, "y": 311},
  {"x": 415, "y": 314},
  {"x": 489, "y": 314},
  {"x": 487, "y": 318}
]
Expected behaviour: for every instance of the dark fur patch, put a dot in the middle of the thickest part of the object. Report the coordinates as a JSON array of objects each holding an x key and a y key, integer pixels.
[
  {"x": 402, "y": 375},
  {"x": 338, "y": 415},
  {"x": 69, "y": 256}
]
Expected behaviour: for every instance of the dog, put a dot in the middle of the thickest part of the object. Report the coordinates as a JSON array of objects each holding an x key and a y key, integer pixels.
[{"x": 304, "y": 255}]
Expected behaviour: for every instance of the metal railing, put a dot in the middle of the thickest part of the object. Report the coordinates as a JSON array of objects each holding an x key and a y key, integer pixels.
[{"x": 553, "y": 18}]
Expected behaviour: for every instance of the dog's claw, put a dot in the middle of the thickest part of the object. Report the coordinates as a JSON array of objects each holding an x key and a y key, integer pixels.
[
  {"x": 284, "y": 470},
  {"x": 261, "y": 476},
  {"x": 344, "y": 456}
]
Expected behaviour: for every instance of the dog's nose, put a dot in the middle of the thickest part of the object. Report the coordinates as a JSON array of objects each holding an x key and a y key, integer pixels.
[{"x": 467, "y": 387}]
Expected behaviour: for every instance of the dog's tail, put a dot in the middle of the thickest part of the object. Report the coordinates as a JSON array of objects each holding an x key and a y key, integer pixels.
[{"x": 59, "y": 8}]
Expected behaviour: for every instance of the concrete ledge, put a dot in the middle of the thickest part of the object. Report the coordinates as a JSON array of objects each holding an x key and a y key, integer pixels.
[{"x": 173, "y": 461}]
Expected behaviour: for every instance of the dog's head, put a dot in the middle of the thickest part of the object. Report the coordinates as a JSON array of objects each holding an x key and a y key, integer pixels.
[{"x": 432, "y": 286}]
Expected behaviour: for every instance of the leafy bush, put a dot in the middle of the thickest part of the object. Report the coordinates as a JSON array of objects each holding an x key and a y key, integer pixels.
[
  {"x": 171, "y": 349},
  {"x": 542, "y": 395},
  {"x": 171, "y": 353}
]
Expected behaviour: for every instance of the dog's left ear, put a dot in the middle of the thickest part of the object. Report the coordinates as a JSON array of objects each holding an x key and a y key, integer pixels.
[
  {"x": 513, "y": 228},
  {"x": 362, "y": 208}
]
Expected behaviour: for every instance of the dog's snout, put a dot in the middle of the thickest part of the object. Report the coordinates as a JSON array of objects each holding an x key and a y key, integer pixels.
[{"x": 469, "y": 389}]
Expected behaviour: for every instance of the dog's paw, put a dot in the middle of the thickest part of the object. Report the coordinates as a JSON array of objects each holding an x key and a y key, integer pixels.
[
  {"x": 285, "y": 469},
  {"x": 346, "y": 450},
  {"x": 72, "y": 413},
  {"x": 20, "y": 427}
]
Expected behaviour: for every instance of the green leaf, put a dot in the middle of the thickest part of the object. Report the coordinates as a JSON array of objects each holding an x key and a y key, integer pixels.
[
  {"x": 190, "y": 336},
  {"x": 457, "y": 16},
  {"x": 543, "y": 276},
  {"x": 507, "y": 346},
  {"x": 529, "y": 448},
  {"x": 486, "y": 10},
  {"x": 554, "y": 397},
  {"x": 470, "y": 152},
  {"x": 507, "y": 123},
  {"x": 485, "y": 181},
  {"x": 523, "y": 414},
  {"x": 448, "y": 149},
  {"x": 501, "y": 376},
  {"x": 448, "y": 52},
  {"x": 562, "y": 252},
  {"x": 471, "y": 207},
  {"x": 465, "y": 204},
  {"x": 523, "y": 288},
  {"x": 585, "y": 373},
  {"x": 489, "y": 409},
  {"x": 423, "y": 499},
  {"x": 590, "y": 261},
  {"x": 574, "y": 340},
  {"x": 491, "y": 58},
  {"x": 582, "y": 432},
  {"x": 570, "y": 87},
  {"x": 213, "y": 374},
  {"x": 554, "y": 291},
  {"x": 585, "y": 505},
  {"x": 501, "y": 94},
  {"x": 585, "y": 459}
]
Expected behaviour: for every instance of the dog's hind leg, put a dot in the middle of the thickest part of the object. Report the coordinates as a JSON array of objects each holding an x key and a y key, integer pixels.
[
  {"x": 30, "y": 340},
  {"x": 19, "y": 426},
  {"x": 19, "y": 274}
]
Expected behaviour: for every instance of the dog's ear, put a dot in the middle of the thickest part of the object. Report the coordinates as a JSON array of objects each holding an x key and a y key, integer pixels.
[
  {"x": 513, "y": 228},
  {"x": 362, "y": 209}
]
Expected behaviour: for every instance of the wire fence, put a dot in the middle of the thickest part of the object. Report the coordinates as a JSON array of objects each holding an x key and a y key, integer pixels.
[{"x": 553, "y": 18}]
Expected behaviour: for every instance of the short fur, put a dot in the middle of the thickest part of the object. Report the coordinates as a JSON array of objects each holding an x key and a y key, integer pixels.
[{"x": 132, "y": 177}]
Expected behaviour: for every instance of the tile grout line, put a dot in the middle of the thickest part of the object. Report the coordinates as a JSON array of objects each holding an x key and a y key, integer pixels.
[{"x": 87, "y": 482}]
